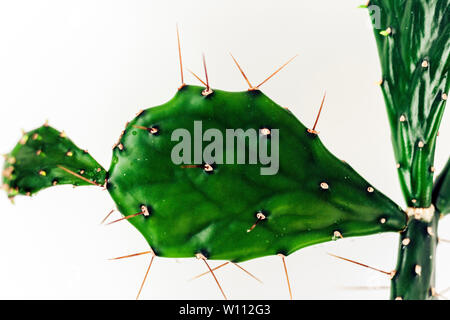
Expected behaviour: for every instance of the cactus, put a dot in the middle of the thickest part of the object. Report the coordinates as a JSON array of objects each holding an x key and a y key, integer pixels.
[
  {"x": 185, "y": 211},
  {"x": 414, "y": 47},
  {"x": 228, "y": 211}
]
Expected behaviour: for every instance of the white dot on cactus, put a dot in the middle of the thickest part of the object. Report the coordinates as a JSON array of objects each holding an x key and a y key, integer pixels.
[
  {"x": 265, "y": 131},
  {"x": 208, "y": 168},
  {"x": 418, "y": 269},
  {"x": 425, "y": 63},
  {"x": 386, "y": 32},
  {"x": 383, "y": 220},
  {"x": 402, "y": 118},
  {"x": 324, "y": 186},
  {"x": 421, "y": 144},
  {"x": 43, "y": 173},
  {"x": 120, "y": 146},
  {"x": 145, "y": 211},
  {"x": 370, "y": 189},
  {"x": 398, "y": 298},
  {"x": 406, "y": 241},
  {"x": 413, "y": 200},
  {"x": 154, "y": 130},
  {"x": 337, "y": 235},
  {"x": 200, "y": 256},
  {"x": 397, "y": 165},
  {"x": 432, "y": 169},
  {"x": 444, "y": 97},
  {"x": 207, "y": 92},
  {"x": 69, "y": 153},
  {"x": 430, "y": 231},
  {"x": 260, "y": 216}
]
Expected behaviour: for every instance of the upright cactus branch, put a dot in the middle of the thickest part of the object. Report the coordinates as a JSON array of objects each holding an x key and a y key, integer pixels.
[{"x": 414, "y": 45}]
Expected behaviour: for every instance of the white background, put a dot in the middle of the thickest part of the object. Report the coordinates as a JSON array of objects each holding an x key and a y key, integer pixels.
[{"x": 89, "y": 66}]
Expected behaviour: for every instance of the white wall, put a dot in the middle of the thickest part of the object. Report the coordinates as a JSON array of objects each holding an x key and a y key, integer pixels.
[{"x": 89, "y": 66}]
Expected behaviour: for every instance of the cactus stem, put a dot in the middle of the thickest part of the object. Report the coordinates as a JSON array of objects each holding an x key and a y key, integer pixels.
[
  {"x": 283, "y": 258},
  {"x": 77, "y": 175},
  {"x": 391, "y": 274},
  {"x": 250, "y": 86},
  {"x": 145, "y": 277},
  {"x": 424, "y": 214},
  {"x": 127, "y": 217},
  {"x": 276, "y": 71},
  {"x": 259, "y": 216},
  {"x": 181, "y": 60},
  {"x": 202, "y": 257},
  {"x": 313, "y": 130}
]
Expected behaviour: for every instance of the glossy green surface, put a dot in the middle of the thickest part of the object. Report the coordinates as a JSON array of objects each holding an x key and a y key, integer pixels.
[
  {"x": 414, "y": 45},
  {"x": 34, "y": 163},
  {"x": 415, "y": 64},
  {"x": 193, "y": 211},
  {"x": 416, "y": 262}
]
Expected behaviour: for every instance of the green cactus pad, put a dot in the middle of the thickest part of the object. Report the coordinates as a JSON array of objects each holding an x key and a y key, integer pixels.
[
  {"x": 46, "y": 157},
  {"x": 315, "y": 197}
]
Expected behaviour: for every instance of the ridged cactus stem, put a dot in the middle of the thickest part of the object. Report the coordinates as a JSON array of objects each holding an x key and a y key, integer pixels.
[
  {"x": 415, "y": 271},
  {"x": 413, "y": 45}
]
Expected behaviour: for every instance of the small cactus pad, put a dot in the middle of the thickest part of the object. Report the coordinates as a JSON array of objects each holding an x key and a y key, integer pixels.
[
  {"x": 211, "y": 208},
  {"x": 46, "y": 157},
  {"x": 441, "y": 190}
]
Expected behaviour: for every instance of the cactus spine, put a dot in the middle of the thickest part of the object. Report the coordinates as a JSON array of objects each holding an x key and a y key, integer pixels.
[{"x": 414, "y": 46}]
